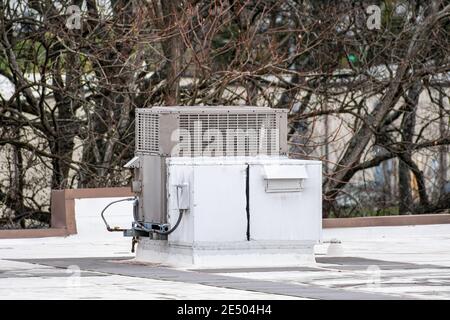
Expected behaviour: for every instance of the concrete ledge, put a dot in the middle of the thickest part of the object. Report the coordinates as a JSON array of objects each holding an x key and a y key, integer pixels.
[
  {"x": 63, "y": 222},
  {"x": 63, "y": 203},
  {"x": 385, "y": 221},
  {"x": 98, "y": 193}
]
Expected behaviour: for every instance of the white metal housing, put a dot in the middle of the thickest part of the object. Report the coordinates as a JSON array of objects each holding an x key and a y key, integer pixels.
[
  {"x": 225, "y": 172},
  {"x": 232, "y": 219}
]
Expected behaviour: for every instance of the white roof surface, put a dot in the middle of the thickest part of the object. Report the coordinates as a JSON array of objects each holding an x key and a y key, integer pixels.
[{"x": 403, "y": 262}]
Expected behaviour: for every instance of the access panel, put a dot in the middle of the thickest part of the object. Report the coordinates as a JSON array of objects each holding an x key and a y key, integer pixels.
[{"x": 285, "y": 201}]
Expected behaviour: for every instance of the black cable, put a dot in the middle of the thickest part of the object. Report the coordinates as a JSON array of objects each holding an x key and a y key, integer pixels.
[
  {"x": 180, "y": 215},
  {"x": 165, "y": 233},
  {"x": 103, "y": 217},
  {"x": 247, "y": 200},
  {"x": 135, "y": 210}
]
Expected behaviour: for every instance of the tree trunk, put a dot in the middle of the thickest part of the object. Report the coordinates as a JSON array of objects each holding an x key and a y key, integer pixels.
[
  {"x": 407, "y": 130},
  {"x": 404, "y": 189},
  {"x": 443, "y": 150},
  {"x": 172, "y": 48}
]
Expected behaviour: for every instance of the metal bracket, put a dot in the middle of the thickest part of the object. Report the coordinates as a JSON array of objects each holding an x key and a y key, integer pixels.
[{"x": 144, "y": 229}]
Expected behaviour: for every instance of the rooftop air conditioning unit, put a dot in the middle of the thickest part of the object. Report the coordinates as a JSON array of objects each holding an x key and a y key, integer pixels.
[{"x": 214, "y": 187}]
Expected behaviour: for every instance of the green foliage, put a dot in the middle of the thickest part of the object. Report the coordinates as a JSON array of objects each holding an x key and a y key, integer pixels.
[
  {"x": 30, "y": 55},
  {"x": 390, "y": 20},
  {"x": 365, "y": 212}
]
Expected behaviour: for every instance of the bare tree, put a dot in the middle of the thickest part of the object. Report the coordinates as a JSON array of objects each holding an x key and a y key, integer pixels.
[{"x": 69, "y": 120}]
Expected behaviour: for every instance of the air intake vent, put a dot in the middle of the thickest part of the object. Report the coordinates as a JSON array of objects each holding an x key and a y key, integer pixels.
[
  {"x": 243, "y": 134},
  {"x": 147, "y": 132},
  {"x": 211, "y": 131}
]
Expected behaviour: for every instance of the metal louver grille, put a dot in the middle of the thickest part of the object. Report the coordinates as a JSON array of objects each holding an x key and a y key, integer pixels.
[
  {"x": 228, "y": 134},
  {"x": 147, "y": 132},
  {"x": 210, "y": 131}
]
